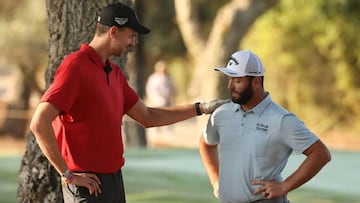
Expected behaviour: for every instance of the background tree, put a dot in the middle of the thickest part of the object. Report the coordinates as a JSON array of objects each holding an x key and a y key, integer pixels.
[
  {"x": 24, "y": 48},
  {"x": 211, "y": 49},
  {"x": 135, "y": 135},
  {"x": 314, "y": 61}
]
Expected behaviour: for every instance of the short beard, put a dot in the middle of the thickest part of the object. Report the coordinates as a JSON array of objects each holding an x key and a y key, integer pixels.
[{"x": 245, "y": 96}]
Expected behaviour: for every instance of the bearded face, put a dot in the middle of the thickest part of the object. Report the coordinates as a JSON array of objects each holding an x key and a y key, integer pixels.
[{"x": 242, "y": 95}]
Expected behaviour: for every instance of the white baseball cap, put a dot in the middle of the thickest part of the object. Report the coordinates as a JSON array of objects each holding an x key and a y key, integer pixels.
[{"x": 243, "y": 63}]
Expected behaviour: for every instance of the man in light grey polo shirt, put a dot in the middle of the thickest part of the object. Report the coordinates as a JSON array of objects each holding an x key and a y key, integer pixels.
[{"x": 247, "y": 142}]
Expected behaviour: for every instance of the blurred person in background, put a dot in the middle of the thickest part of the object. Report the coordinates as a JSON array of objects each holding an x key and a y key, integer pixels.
[
  {"x": 160, "y": 90},
  {"x": 247, "y": 142}
]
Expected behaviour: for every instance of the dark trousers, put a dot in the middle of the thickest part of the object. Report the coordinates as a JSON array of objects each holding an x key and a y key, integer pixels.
[
  {"x": 112, "y": 191},
  {"x": 276, "y": 200}
]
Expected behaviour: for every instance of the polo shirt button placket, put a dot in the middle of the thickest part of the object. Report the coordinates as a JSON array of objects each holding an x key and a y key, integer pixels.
[{"x": 243, "y": 120}]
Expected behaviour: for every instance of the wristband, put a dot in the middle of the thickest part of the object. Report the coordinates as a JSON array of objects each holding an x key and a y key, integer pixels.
[
  {"x": 68, "y": 176},
  {"x": 197, "y": 108}
]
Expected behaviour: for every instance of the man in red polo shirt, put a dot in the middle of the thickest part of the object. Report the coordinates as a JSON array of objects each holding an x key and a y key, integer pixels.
[{"x": 78, "y": 121}]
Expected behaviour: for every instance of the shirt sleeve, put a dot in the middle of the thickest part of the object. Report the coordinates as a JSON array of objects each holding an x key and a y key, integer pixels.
[
  {"x": 295, "y": 134},
  {"x": 210, "y": 133},
  {"x": 131, "y": 97},
  {"x": 65, "y": 87}
]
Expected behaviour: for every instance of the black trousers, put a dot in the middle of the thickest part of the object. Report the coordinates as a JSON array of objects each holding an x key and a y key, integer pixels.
[
  {"x": 112, "y": 191},
  {"x": 276, "y": 200}
]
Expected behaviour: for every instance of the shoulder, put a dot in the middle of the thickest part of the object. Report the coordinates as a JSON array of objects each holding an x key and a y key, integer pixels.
[
  {"x": 273, "y": 114},
  {"x": 75, "y": 58},
  {"x": 286, "y": 119},
  {"x": 272, "y": 108},
  {"x": 226, "y": 107},
  {"x": 225, "y": 110},
  {"x": 276, "y": 108}
]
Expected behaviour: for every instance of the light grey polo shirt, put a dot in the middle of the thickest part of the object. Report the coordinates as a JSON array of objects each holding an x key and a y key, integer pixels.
[{"x": 254, "y": 145}]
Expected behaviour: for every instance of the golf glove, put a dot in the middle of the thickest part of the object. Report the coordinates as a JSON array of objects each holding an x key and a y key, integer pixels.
[{"x": 209, "y": 107}]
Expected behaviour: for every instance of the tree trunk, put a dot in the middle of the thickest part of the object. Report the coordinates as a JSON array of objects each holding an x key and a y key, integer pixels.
[
  {"x": 38, "y": 180},
  {"x": 231, "y": 24},
  {"x": 135, "y": 134},
  {"x": 69, "y": 22}
]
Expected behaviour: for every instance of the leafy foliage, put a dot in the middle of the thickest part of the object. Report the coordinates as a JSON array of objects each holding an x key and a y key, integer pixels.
[{"x": 311, "y": 52}]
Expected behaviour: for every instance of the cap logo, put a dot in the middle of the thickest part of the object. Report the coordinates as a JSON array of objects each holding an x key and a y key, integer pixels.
[
  {"x": 233, "y": 59},
  {"x": 121, "y": 21},
  {"x": 254, "y": 72}
]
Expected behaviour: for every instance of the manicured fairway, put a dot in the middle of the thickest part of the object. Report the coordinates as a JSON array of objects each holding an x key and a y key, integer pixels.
[{"x": 177, "y": 176}]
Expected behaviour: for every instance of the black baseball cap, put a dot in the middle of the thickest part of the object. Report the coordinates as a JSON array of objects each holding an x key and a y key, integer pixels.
[{"x": 121, "y": 15}]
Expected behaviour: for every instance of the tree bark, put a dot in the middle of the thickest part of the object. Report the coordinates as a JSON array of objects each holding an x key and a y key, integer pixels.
[{"x": 135, "y": 134}]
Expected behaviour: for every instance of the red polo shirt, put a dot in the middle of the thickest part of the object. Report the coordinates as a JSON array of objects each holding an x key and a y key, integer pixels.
[{"x": 88, "y": 130}]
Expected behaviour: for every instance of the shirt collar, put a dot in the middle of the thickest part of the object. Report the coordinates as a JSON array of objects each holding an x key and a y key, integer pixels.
[
  {"x": 236, "y": 107},
  {"x": 92, "y": 54},
  {"x": 259, "y": 108}
]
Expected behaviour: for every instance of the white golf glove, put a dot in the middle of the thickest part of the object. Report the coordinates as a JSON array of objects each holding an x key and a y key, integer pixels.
[{"x": 209, "y": 107}]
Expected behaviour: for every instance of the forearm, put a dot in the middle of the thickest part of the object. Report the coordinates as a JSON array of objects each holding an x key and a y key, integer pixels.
[
  {"x": 41, "y": 126},
  {"x": 317, "y": 156},
  {"x": 151, "y": 117},
  {"x": 47, "y": 143},
  {"x": 170, "y": 115},
  {"x": 210, "y": 160}
]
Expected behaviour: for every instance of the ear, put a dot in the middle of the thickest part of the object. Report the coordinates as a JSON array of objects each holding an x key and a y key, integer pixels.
[
  {"x": 112, "y": 31},
  {"x": 257, "y": 82}
]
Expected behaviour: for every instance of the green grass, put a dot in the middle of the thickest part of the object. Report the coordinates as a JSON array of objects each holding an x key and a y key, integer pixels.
[
  {"x": 318, "y": 196},
  {"x": 177, "y": 176},
  {"x": 171, "y": 176},
  {"x": 9, "y": 166}
]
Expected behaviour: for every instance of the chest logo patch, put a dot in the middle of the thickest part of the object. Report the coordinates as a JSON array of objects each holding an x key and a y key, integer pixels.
[{"x": 262, "y": 127}]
